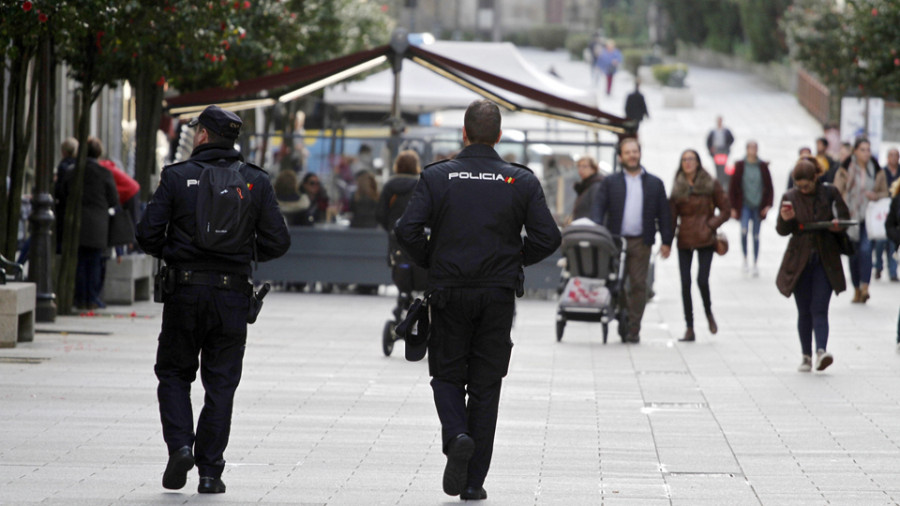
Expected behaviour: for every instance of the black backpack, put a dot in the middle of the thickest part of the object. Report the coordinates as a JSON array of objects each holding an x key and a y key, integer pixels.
[{"x": 223, "y": 210}]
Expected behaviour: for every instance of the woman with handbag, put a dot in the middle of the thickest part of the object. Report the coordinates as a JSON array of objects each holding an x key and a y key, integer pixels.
[
  {"x": 811, "y": 268},
  {"x": 694, "y": 199},
  {"x": 860, "y": 180}
]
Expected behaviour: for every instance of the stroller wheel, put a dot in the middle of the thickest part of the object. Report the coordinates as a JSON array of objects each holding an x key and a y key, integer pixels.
[
  {"x": 605, "y": 332},
  {"x": 560, "y": 327},
  {"x": 387, "y": 338}
]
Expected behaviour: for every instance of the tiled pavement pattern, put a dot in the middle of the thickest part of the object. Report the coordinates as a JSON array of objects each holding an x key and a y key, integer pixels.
[{"x": 322, "y": 417}]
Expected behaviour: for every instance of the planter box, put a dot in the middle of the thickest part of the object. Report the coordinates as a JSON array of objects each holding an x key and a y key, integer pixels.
[{"x": 678, "y": 98}]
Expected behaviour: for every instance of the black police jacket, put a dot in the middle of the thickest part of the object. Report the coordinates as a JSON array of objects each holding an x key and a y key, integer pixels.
[
  {"x": 175, "y": 201},
  {"x": 476, "y": 206}
]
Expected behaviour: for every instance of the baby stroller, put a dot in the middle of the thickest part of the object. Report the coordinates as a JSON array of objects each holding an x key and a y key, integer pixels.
[
  {"x": 593, "y": 279},
  {"x": 409, "y": 278}
]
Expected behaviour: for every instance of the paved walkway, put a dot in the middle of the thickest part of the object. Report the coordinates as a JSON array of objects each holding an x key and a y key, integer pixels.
[{"x": 322, "y": 417}]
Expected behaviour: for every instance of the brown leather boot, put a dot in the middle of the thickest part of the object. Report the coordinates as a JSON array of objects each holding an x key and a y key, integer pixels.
[
  {"x": 688, "y": 336},
  {"x": 856, "y": 296},
  {"x": 713, "y": 328},
  {"x": 863, "y": 292}
]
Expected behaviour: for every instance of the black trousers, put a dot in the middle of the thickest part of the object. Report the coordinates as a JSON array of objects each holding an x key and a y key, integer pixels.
[
  {"x": 206, "y": 328},
  {"x": 704, "y": 259},
  {"x": 468, "y": 355}
]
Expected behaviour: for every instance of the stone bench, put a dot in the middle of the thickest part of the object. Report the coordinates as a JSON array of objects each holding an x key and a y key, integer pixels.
[
  {"x": 128, "y": 280},
  {"x": 17, "y": 302}
]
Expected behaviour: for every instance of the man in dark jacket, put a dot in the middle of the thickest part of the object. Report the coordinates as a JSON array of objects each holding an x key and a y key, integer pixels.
[
  {"x": 718, "y": 143},
  {"x": 207, "y": 299},
  {"x": 475, "y": 206},
  {"x": 636, "y": 106},
  {"x": 633, "y": 204},
  {"x": 98, "y": 196}
]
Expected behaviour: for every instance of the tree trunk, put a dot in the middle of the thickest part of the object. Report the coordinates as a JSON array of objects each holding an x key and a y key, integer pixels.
[
  {"x": 148, "y": 104},
  {"x": 65, "y": 284},
  {"x": 23, "y": 135}
]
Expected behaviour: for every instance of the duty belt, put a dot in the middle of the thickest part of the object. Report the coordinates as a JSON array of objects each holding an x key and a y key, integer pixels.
[{"x": 227, "y": 281}]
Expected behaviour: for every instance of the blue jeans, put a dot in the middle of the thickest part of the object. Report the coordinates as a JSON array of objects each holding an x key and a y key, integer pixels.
[
  {"x": 812, "y": 295},
  {"x": 748, "y": 215},
  {"x": 861, "y": 262},
  {"x": 882, "y": 247}
]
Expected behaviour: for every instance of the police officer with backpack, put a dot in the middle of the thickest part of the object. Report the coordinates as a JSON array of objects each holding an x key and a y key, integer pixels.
[
  {"x": 211, "y": 216},
  {"x": 476, "y": 206}
]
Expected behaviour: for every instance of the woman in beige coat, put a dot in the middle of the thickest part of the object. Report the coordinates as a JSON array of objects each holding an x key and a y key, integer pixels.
[{"x": 861, "y": 181}]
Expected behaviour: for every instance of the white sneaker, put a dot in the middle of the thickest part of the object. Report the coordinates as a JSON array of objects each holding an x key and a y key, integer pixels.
[
  {"x": 806, "y": 364},
  {"x": 823, "y": 360},
  {"x": 898, "y": 347},
  {"x": 755, "y": 271},
  {"x": 746, "y": 268}
]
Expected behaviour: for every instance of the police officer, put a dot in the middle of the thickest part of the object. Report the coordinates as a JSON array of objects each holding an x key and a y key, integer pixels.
[
  {"x": 206, "y": 311},
  {"x": 475, "y": 206}
]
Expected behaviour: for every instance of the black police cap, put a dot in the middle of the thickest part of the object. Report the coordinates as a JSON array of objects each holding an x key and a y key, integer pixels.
[{"x": 224, "y": 123}]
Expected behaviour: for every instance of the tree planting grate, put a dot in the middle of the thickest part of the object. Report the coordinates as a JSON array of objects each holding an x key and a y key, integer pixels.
[{"x": 23, "y": 360}]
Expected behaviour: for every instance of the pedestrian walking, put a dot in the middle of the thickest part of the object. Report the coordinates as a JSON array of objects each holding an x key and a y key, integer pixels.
[
  {"x": 860, "y": 181},
  {"x": 395, "y": 196},
  {"x": 586, "y": 189},
  {"x": 751, "y": 196},
  {"x": 694, "y": 200},
  {"x": 207, "y": 291},
  {"x": 608, "y": 62},
  {"x": 475, "y": 207},
  {"x": 811, "y": 268},
  {"x": 892, "y": 227},
  {"x": 886, "y": 247},
  {"x": 632, "y": 203},
  {"x": 826, "y": 162},
  {"x": 718, "y": 143},
  {"x": 98, "y": 197},
  {"x": 636, "y": 106}
]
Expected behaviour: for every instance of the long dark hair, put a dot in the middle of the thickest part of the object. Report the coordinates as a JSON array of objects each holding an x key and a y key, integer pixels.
[{"x": 697, "y": 155}]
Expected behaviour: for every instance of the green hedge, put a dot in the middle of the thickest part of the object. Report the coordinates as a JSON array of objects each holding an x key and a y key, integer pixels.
[
  {"x": 663, "y": 73},
  {"x": 576, "y": 43},
  {"x": 633, "y": 59}
]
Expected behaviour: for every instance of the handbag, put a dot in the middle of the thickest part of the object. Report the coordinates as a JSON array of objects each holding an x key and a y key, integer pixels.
[
  {"x": 121, "y": 228},
  {"x": 876, "y": 216},
  {"x": 845, "y": 245},
  {"x": 721, "y": 243}
]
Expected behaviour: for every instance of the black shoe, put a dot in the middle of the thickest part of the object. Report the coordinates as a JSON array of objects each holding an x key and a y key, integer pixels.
[
  {"x": 634, "y": 339},
  {"x": 459, "y": 451},
  {"x": 180, "y": 462},
  {"x": 473, "y": 494},
  {"x": 209, "y": 485}
]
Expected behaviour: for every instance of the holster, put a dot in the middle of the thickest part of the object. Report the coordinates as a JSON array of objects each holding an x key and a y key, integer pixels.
[
  {"x": 256, "y": 303},
  {"x": 163, "y": 284}
]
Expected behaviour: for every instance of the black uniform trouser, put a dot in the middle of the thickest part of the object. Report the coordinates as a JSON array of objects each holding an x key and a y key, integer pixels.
[
  {"x": 468, "y": 353},
  {"x": 210, "y": 323}
]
